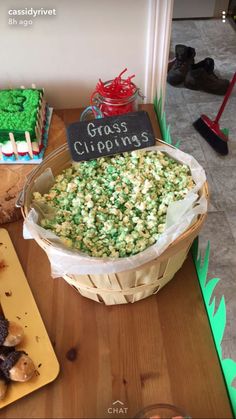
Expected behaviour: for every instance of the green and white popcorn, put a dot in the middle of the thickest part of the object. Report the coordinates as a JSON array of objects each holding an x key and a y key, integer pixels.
[{"x": 115, "y": 206}]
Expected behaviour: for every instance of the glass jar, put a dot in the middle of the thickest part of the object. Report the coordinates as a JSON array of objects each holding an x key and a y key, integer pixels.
[
  {"x": 160, "y": 411},
  {"x": 117, "y": 106}
]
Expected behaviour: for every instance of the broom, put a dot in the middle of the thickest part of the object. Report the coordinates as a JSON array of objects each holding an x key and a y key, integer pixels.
[{"x": 210, "y": 130}]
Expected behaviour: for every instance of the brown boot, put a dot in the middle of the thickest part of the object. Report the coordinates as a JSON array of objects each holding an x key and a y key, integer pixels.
[
  {"x": 201, "y": 76},
  {"x": 184, "y": 58}
]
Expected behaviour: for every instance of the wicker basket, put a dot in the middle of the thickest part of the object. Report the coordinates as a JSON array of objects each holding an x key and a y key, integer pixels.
[{"x": 127, "y": 286}]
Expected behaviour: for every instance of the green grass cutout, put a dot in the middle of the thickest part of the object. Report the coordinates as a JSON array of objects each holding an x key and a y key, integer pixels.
[
  {"x": 217, "y": 318},
  {"x": 161, "y": 116}
]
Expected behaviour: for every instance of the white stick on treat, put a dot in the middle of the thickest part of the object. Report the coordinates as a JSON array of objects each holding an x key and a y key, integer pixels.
[
  {"x": 39, "y": 133},
  {"x": 40, "y": 124},
  {"x": 35, "y": 147},
  {"x": 42, "y": 111},
  {"x": 1, "y": 155},
  {"x": 43, "y": 102},
  {"x": 28, "y": 140},
  {"x": 33, "y": 85},
  {"x": 42, "y": 108},
  {"x": 14, "y": 146}
]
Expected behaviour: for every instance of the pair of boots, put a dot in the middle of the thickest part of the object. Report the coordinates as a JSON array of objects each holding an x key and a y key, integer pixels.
[{"x": 198, "y": 76}]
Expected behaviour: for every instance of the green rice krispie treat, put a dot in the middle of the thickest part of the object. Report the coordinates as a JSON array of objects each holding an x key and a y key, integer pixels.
[{"x": 115, "y": 206}]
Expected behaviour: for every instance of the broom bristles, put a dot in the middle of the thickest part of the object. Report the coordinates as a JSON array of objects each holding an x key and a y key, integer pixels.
[{"x": 212, "y": 138}]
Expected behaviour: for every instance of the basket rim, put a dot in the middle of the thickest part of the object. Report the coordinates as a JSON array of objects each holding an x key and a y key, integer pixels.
[{"x": 33, "y": 175}]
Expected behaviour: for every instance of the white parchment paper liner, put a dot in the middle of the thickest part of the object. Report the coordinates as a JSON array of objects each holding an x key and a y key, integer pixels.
[{"x": 180, "y": 215}]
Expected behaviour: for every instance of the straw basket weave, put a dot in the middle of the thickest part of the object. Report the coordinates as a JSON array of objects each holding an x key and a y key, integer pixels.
[{"x": 127, "y": 286}]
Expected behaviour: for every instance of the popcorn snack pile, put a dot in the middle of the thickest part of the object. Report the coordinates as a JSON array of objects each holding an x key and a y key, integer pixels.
[{"x": 115, "y": 206}]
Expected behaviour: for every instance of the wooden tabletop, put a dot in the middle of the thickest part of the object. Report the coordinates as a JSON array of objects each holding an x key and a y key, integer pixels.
[{"x": 158, "y": 350}]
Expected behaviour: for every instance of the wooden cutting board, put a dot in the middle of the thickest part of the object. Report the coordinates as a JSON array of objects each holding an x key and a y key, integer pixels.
[{"x": 13, "y": 177}]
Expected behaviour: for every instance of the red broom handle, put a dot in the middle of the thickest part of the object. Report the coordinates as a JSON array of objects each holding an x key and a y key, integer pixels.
[{"x": 227, "y": 95}]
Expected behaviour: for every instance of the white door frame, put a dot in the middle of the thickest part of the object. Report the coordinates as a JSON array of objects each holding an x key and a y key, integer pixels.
[{"x": 158, "y": 43}]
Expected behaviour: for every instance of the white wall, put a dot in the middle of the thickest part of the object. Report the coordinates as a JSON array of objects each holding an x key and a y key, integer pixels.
[{"x": 69, "y": 52}]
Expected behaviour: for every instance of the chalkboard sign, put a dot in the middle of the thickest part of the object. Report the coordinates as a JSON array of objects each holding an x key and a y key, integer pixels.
[{"x": 111, "y": 135}]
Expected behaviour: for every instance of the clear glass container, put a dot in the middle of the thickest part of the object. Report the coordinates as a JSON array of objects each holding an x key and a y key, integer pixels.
[
  {"x": 110, "y": 107},
  {"x": 161, "y": 411}
]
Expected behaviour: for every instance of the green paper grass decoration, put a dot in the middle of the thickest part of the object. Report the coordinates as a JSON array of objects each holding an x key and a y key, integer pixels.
[
  {"x": 217, "y": 318},
  {"x": 161, "y": 116}
]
